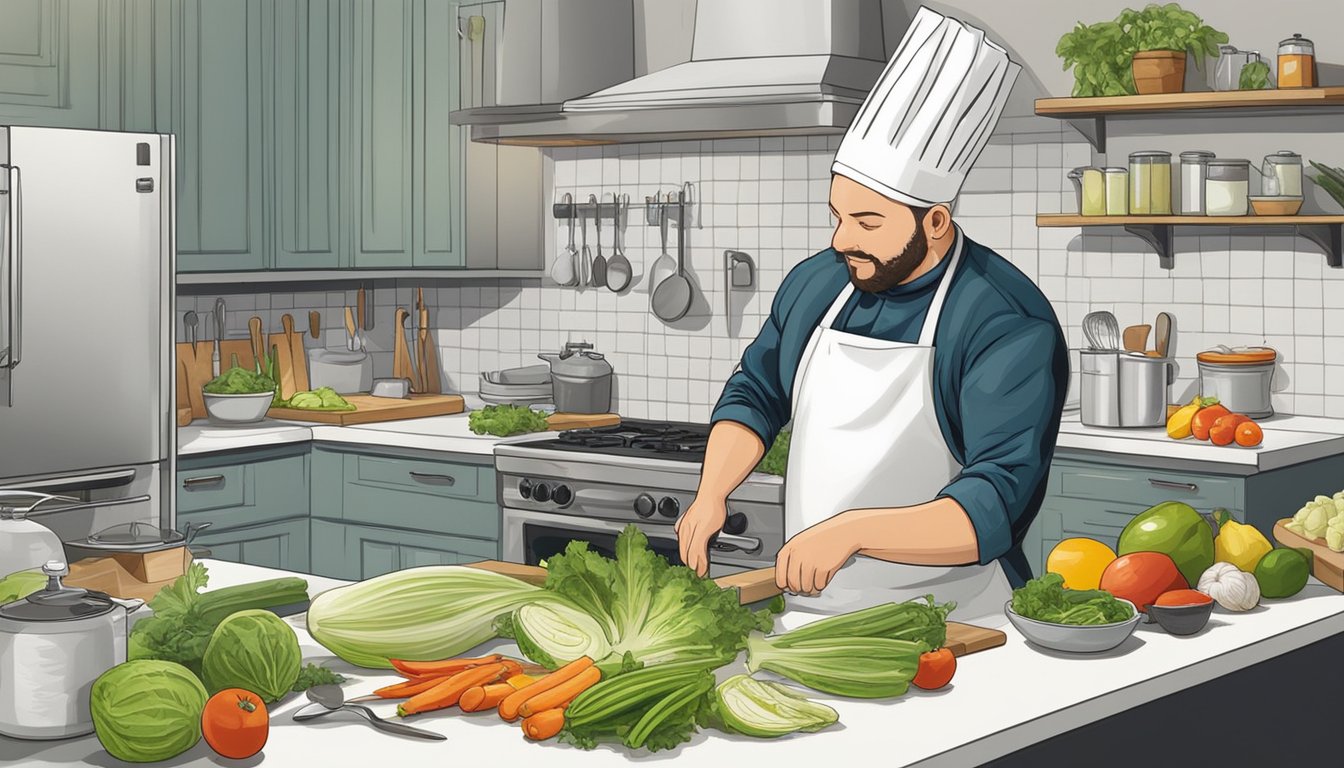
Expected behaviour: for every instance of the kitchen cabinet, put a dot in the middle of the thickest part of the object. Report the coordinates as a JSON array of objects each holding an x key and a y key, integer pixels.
[
  {"x": 363, "y": 551},
  {"x": 282, "y": 545},
  {"x": 70, "y": 64},
  {"x": 256, "y": 502},
  {"x": 210, "y": 85},
  {"x": 1096, "y": 495}
]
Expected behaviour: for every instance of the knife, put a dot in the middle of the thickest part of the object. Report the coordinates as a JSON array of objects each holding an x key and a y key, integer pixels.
[
  {"x": 361, "y": 327},
  {"x": 350, "y": 329},
  {"x": 219, "y": 334}
]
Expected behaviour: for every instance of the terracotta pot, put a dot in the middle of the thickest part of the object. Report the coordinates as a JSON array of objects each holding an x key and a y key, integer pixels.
[{"x": 1159, "y": 71}]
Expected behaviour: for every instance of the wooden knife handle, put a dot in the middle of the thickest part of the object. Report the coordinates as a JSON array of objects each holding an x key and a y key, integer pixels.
[
  {"x": 287, "y": 323},
  {"x": 258, "y": 343},
  {"x": 314, "y": 324}
]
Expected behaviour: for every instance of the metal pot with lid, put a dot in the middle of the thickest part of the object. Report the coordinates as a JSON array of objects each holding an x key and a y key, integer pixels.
[
  {"x": 135, "y": 536},
  {"x": 53, "y": 645},
  {"x": 580, "y": 379},
  {"x": 1240, "y": 377}
]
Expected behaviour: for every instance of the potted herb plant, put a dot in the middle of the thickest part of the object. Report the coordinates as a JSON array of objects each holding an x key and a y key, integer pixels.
[{"x": 1139, "y": 52}]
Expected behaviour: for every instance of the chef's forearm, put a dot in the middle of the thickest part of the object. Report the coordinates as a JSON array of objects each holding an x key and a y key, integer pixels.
[
  {"x": 936, "y": 533},
  {"x": 732, "y": 453}
]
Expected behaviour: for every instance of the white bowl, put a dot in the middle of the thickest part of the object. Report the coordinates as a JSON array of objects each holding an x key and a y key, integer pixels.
[
  {"x": 1075, "y": 638},
  {"x": 238, "y": 409}
]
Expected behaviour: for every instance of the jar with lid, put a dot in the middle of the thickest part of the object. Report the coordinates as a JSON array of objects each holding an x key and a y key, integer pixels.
[
  {"x": 1282, "y": 173},
  {"x": 1090, "y": 190},
  {"x": 1194, "y": 169},
  {"x": 1297, "y": 63},
  {"x": 1228, "y": 187},
  {"x": 1117, "y": 191},
  {"x": 1150, "y": 183}
]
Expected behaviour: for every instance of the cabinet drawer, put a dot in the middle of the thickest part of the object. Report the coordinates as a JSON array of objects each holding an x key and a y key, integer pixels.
[
  {"x": 243, "y": 494},
  {"x": 281, "y": 545},
  {"x": 1145, "y": 487},
  {"x": 420, "y": 512},
  {"x": 361, "y": 552},
  {"x": 435, "y": 478},
  {"x": 212, "y": 488}
]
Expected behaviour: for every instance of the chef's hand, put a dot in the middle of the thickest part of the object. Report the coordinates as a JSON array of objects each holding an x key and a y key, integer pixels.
[
  {"x": 807, "y": 562},
  {"x": 694, "y": 529}
]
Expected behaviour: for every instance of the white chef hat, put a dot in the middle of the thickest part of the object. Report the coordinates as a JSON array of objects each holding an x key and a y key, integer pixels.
[{"x": 930, "y": 114}]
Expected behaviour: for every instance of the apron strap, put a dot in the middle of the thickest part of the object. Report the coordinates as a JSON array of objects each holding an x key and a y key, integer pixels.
[
  {"x": 837, "y": 305},
  {"x": 940, "y": 296}
]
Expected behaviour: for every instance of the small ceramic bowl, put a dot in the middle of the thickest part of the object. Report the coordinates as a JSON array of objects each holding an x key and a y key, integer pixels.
[
  {"x": 237, "y": 409},
  {"x": 1181, "y": 619},
  {"x": 1093, "y": 638},
  {"x": 1280, "y": 205}
]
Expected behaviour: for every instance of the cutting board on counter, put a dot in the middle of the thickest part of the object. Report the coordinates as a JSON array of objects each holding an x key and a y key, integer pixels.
[
  {"x": 759, "y": 584},
  {"x": 1327, "y": 565},
  {"x": 557, "y": 422},
  {"x": 370, "y": 409}
]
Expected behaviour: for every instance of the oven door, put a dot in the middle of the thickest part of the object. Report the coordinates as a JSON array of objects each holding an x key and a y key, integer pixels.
[{"x": 530, "y": 537}]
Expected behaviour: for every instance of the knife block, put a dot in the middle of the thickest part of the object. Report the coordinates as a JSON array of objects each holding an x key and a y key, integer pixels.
[{"x": 130, "y": 575}]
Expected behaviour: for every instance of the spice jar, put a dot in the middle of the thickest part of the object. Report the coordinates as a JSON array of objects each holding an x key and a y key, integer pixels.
[
  {"x": 1297, "y": 63},
  {"x": 1228, "y": 187},
  {"x": 1282, "y": 173},
  {"x": 1117, "y": 191},
  {"x": 1090, "y": 190},
  {"x": 1150, "y": 183},
  {"x": 1194, "y": 169}
]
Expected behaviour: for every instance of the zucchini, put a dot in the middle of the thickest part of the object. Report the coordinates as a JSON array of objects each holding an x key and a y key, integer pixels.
[{"x": 219, "y": 604}]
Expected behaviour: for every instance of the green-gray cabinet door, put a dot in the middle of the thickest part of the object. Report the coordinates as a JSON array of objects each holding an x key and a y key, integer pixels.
[
  {"x": 343, "y": 551},
  {"x": 381, "y": 119},
  {"x": 70, "y": 64},
  {"x": 303, "y": 137},
  {"x": 210, "y": 94},
  {"x": 273, "y": 545},
  {"x": 438, "y": 177}
]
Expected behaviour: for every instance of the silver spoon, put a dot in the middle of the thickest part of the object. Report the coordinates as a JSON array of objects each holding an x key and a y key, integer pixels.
[
  {"x": 331, "y": 697},
  {"x": 618, "y": 268},
  {"x": 191, "y": 321}
]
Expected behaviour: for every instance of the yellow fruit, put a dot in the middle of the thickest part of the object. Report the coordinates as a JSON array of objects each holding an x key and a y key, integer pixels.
[
  {"x": 1238, "y": 543},
  {"x": 1080, "y": 561},
  {"x": 1178, "y": 426}
]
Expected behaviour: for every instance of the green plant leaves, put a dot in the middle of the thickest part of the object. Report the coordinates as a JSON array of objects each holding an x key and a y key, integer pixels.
[{"x": 1100, "y": 54}]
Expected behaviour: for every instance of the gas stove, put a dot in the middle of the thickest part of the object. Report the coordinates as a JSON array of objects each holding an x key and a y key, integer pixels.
[{"x": 588, "y": 484}]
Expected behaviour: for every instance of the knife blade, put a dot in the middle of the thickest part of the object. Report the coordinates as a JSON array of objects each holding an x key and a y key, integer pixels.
[
  {"x": 219, "y": 334},
  {"x": 361, "y": 326},
  {"x": 350, "y": 329}
]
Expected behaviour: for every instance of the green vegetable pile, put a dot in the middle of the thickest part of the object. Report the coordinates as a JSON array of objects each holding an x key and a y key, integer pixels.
[
  {"x": 506, "y": 420},
  {"x": 776, "y": 460},
  {"x": 239, "y": 381},
  {"x": 320, "y": 399},
  {"x": 1046, "y": 599}
]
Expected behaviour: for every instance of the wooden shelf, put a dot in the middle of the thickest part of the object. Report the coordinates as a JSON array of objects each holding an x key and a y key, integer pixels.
[
  {"x": 1089, "y": 115},
  {"x": 1325, "y": 230}
]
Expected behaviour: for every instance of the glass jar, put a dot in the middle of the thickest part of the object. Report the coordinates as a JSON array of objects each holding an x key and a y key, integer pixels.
[
  {"x": 1090, "y": 189},
  {"x": 1150, "y": 183},
  {"x": 1282, "y": 172},
  {"x": 1194, "y": 169},
  {"x": 1297, "y": 63},
  {"x": 1228, "y": 187},
  {"x": 1117, "y": 191}
]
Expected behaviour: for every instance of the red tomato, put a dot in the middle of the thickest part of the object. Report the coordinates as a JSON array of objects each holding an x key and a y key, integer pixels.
[
  {"x": 1249, "y": 434},
  {"x": 1183, "y": 597},
  {"x": 935, "y": 669},
  {"x": 1140, "y": 577},
  {"x": 1224, "y": 430},
  {"x": 235, "y": 723}
]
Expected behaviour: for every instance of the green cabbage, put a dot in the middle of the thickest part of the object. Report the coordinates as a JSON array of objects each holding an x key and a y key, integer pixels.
[
  {"x": 320, "y": 399},
  {"x": 555, "y": 634},
  {"x": 147, "y": 710},
  {"x": 254, "y": 650},
  {"x": 764, "y": 709}
]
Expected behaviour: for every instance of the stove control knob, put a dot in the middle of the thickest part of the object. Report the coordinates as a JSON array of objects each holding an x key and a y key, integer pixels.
[
  {"x": 541, "y": 492},
  {"x": 562, "y": 495},
  {"x": 735, "y": 524},
  {"x": 525, "y": 488},
  {"x": 669, "y": 507},
  {"x": 645, "y": 505}
]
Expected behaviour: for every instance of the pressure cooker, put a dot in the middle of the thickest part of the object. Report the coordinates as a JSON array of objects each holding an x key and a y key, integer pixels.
[{"x": 580, "y": 379}]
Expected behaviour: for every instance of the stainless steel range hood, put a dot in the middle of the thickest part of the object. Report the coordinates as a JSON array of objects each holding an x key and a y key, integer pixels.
[{"x": 757, "y": 68}]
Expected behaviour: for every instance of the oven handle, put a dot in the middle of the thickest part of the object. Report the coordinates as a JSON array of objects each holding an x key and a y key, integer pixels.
[{"x": 727, "y": 542}]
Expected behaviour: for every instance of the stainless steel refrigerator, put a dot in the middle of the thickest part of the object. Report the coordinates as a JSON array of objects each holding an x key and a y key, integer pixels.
[{"x": 86, "y": 356}]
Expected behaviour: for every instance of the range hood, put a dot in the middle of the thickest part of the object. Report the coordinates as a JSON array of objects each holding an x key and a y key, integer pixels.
[{"x": 757, "y": 68}]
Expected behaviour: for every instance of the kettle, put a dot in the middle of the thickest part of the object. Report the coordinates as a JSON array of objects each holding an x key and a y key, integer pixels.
[
  {"x": 25, "y": 544},
  {"x": 580, "y": 379}
]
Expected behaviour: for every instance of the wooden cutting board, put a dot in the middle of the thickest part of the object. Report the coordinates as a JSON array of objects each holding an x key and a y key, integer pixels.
[
  {"x": 1327, "y": 565},
  {"x": 752, "y": 586},
  {"x": 194, "y": 366},
  {"x": 370, "y": 409},
  {"x": 562, "y": 421}
]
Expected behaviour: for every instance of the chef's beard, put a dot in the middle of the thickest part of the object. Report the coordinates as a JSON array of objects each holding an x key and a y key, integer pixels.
[{"x": 891, "y": 272}]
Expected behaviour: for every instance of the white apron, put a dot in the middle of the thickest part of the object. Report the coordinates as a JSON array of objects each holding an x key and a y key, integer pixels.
[{"x": 865, "y": 435}]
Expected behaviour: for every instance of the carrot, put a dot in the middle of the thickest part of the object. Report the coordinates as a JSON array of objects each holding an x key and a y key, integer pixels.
[
  {"x": 410, "y": 687},
  {"x": 561, "y": 694},
  {"x": 481, "y": 698},
  {"x": 447, "y": 692},
  {"x": 544, "y": 724},
  {"x": 445, "y": 667},
  {"x": 509, "y": 707}
]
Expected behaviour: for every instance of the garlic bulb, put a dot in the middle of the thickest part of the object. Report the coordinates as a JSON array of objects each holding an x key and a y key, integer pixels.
[{"x": 1231, "y": 587}]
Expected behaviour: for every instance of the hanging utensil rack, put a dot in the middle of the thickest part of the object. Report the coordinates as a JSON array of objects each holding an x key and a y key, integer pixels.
[{"x": 662, "y": 205}]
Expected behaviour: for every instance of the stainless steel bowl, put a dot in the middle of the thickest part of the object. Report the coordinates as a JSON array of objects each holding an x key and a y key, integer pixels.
[
  {"x": 238, "y": 409},
  {"x": 1075, "y": 638}
]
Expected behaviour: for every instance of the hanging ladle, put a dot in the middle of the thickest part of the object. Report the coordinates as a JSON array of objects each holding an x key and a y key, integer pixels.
[
  {"x": 672, "y": 297},
  {"x": 619, "y": 270}
]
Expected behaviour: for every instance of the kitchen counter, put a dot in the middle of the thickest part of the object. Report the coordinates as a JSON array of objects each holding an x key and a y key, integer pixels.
[
  {"x": 1289, "y": 440},
  {"x": 1001, "y": 700},
  {"x": 433, "y": 433}
]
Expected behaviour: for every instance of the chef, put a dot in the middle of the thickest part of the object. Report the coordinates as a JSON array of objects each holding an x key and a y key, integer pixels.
[{"x": 923, "y": 374}]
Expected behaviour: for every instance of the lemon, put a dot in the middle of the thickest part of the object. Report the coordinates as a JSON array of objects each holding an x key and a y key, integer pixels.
[{"x": 1080, "y": 561}]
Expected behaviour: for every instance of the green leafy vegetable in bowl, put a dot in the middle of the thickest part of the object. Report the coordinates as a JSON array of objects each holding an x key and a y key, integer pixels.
[
  {"x": 1046, "y": 599},
  {"x": 506, "y": 420},
  {"x": 239, "y": 381},
  {"x": 320, "y": 399}
]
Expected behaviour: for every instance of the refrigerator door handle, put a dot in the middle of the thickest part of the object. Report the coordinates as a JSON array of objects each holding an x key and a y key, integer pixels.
[{"x": 13, "y": 239}]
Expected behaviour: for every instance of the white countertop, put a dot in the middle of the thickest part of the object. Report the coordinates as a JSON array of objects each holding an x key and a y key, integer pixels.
[
  {"x": 1288, "y": 440},
  {"x": 1050, "y": 693}
]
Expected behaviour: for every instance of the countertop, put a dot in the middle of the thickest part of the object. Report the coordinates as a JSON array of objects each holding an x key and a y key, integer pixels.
[
  {"x": 1288, "y": 440},
  {"x": 965, "y": 724}
]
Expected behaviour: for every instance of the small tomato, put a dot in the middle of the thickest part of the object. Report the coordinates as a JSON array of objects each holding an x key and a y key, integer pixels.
[
  {"x": 1224, "y": 430},
  {"x": 1204, "y": 420},
  {"x": 935, "y": 669},
  {"x": 235, "y": 723},
  {"x": 1249, "y": 434}
]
